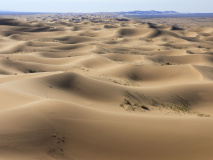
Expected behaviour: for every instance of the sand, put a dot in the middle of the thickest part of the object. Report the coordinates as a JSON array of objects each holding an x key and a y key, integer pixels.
[{"x": 102, "y": 89}]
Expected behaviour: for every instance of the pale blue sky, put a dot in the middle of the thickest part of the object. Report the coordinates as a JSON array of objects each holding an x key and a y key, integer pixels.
[{"x": 198, "y": 6}]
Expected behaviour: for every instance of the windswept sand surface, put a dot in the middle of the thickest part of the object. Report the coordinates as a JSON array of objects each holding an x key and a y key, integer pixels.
[{"x": 105, "y": 90}]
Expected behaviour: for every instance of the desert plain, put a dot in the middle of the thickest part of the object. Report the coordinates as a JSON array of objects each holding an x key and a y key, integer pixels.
[{"x": 100, "y": 88}]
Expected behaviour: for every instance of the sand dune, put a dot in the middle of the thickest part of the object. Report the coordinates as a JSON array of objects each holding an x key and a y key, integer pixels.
[{"x": 99, "y": 88}]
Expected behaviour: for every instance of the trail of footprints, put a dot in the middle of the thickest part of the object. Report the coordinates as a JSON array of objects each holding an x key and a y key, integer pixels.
[{"x": 58, "y": 142}]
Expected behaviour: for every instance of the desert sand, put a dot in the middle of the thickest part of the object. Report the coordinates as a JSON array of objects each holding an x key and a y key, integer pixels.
[{"x": 97, "y": 88}]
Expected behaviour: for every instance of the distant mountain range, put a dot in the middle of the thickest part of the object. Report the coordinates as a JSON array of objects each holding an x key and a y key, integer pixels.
[
  {"x": 161, "y": 14},
  {"x": 152, "y": 12}
]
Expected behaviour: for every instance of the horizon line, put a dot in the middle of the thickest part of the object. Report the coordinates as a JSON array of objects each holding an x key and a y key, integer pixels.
[{"x": 1, "y": 11}]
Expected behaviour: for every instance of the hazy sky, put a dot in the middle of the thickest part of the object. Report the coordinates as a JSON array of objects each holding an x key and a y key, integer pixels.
[{"x": 204, "y": 6}]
